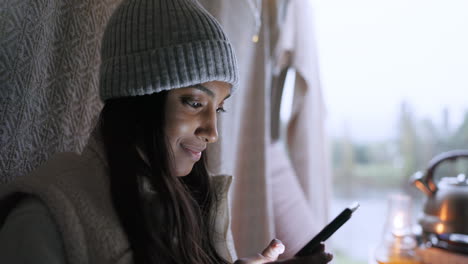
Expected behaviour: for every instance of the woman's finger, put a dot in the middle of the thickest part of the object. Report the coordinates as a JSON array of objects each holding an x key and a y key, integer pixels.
[
  {"x": 269, "y": 254},
  {"x": 320, "y": 258},
  {"x": 320, "y": 248},
  {"x": 274, "y": 249}
]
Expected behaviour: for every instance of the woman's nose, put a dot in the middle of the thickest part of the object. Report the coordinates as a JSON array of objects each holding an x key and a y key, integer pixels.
[{"x": 208, "y": 130}]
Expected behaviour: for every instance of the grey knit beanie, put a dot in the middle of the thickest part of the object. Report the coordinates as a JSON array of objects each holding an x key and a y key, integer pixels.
[{"x": 155, "y": 45}]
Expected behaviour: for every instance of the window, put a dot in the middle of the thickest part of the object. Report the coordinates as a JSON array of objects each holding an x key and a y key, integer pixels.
[{"x": 394, "y": 76}]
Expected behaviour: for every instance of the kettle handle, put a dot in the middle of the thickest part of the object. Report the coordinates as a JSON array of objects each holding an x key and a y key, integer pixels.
[{"x": 437, "y": 160}]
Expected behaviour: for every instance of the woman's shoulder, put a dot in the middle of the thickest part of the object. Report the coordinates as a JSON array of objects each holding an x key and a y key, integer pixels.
[
  {"x": 29, "y": 214},
  {"x": 65, "y": 172},
  {"x": 29, "y": 205},
  {"x": 29, "y": 227},
  {"x": 90, "y": 160}
]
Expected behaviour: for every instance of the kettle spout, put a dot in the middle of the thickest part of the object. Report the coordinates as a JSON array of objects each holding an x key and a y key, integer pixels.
[{"x": 419, "y": 182}]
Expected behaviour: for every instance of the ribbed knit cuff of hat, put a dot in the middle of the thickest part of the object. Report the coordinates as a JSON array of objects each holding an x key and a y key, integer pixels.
[{"x": 168, "y": 68}]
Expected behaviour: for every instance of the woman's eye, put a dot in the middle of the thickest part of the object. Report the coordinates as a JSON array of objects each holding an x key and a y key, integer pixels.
[
  {"x": 192, "y": 103},
  {"x": 195, "y": 104},
  {"x": 221, "y": 110}
]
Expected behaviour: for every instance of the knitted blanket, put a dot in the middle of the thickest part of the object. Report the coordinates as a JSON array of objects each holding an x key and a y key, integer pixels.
[{"x": 49, "y": 66}]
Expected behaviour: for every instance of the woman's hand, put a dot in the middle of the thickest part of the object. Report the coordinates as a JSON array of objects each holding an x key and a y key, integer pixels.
[
  {"x": 270, "y": 254},
  {"x": 276, "y": 248},
  {"x": 321, "y": 257}
]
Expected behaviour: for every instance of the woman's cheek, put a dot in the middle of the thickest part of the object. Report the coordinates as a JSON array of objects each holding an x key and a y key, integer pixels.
[{"x": 179, "y": 128}]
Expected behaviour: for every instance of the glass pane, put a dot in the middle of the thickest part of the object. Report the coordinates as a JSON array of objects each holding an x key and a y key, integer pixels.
[{"x": 394, "y": 79}]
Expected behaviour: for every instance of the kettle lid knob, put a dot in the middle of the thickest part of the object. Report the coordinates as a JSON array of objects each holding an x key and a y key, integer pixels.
[{"x": 461, "y": 179}]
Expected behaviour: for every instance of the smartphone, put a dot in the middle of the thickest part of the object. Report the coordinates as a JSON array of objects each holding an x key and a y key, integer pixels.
[{"x": 313, "y": 245}]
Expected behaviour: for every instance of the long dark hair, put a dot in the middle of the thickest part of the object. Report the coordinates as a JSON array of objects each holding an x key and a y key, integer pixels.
[{"x": 166, "y": 218}]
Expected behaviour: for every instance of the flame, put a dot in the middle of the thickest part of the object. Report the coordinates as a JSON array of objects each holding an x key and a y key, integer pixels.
[
  {"x": 399, "y": 221},
  {"x": 439, "y": 228}
]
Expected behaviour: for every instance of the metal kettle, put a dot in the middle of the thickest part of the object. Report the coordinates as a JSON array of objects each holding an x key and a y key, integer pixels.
[{"x": 446, "y": 208}]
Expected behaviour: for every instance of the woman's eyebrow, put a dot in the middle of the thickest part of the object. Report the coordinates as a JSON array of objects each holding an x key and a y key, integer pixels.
[
  {"x": 208, "y": 91},
  {"x": 204, "y": 89}
]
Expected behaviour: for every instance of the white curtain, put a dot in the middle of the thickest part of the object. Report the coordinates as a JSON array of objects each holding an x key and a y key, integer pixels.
[
  {"x": 307, "y": 139},
  {"x": 274, "y": 195}
]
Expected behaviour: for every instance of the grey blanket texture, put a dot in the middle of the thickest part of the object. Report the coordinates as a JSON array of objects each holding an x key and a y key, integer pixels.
[{"x": 49, "y": 66}]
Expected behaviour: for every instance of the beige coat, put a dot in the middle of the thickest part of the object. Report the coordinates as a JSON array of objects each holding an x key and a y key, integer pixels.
[{"x": 75, "y": 188}]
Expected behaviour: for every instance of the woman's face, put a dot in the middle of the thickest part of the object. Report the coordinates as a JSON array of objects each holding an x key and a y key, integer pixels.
[{"x": 191, "y": 121}]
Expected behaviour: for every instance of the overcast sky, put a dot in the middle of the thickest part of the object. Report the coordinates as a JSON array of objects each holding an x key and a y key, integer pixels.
[{"x": 374, "y": 54}]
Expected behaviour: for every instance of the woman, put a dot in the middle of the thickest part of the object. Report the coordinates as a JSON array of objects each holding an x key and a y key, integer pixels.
[{"x": 140, "y": 191}]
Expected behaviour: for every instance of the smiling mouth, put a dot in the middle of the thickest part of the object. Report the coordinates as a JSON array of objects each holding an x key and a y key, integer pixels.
[{"x": 194, "y": 154}]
